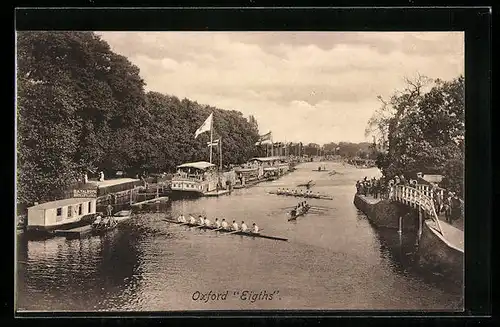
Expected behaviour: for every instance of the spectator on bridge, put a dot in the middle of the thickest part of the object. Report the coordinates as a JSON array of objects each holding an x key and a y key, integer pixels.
[
  {"x": 392, "y": 184},
  {"x": 376, "y": 188},
  {"x": 455, "y": 207},
  {"x": 447, "y": 207}
]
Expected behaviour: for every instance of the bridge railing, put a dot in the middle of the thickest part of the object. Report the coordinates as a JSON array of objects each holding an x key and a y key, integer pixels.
[{"x": 417, "y": 199}]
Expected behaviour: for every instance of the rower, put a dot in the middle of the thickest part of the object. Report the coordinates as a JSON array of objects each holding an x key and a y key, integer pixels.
[
  {"x": 201, "y": 220},
  {"x": 182, "y": 219},
  {"x": 217, "y": 223},
  {"x": 179, "y": 219},
  {"x": 235, "y": 225},
  {"x": 224, "y": 223},
  {"x": 207, "y": 222},
  {"x": 192, "y": 220},
  {"x": 97, "y": 221},
  {"x": 255, "y": 229},
  {"x": 243, "y": 226}
]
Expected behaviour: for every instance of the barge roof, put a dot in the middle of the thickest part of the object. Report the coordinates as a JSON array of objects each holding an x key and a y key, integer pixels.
[
  {"x": 199, "y": 165},
  {"x": 113, "y": 182},
  {"x": 60, "y": 203}
]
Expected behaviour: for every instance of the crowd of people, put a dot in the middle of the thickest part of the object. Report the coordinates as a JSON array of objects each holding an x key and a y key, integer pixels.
[
  {"x": 105, "y": 222},
  {"x": 445, "y": 202}
]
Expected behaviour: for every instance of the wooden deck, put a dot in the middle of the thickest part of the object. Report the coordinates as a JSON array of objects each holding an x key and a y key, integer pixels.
[
  {"x": 216, "y": 193},
  {"x": 151, "y": 201},
  {"x": 74, "y": 232}
]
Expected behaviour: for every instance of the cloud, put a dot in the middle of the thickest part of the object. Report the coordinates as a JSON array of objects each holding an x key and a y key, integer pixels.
[{"x": 310, "y": 86}]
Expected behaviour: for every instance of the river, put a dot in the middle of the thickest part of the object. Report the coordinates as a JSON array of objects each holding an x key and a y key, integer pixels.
[{"x": 334, "y": 259}]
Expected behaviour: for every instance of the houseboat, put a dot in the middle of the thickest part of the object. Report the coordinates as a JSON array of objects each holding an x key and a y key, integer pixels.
[
  {"x": 271, "y": 167},
  {"x": 195, "y": 179},
  {"x": 61, "y": 214},
  {"x": 250, "y": 171}
]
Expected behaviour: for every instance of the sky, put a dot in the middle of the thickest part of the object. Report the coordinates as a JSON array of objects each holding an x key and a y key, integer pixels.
[{"x": 316, "y": 87}]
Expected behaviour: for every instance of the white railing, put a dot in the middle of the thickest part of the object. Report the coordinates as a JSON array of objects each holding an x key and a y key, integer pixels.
[{"x": 416, "y": 198}]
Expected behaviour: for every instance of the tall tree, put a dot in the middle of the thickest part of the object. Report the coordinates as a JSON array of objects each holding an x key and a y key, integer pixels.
[{"x": 426, "y": 127}]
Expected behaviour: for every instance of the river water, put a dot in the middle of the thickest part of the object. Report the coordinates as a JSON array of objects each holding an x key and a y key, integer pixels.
[{"x": 334, "y": 259}]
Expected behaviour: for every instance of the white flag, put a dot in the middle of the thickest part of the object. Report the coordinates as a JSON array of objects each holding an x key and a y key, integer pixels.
[
  {"x": 214, "y": 143},
  {"x": 205, "y": 127}
]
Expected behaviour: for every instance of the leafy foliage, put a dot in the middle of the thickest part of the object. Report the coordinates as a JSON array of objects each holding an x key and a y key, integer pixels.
[
  {"x": 425, "y": 130},
  {"x": 82, "y": 107}
]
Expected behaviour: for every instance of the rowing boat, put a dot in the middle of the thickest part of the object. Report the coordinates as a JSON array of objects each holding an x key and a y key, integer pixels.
[
  {"x": 303, "y": 212},
  {"x": 258, "y": 235},
  {"x": 313, "y": 196}
]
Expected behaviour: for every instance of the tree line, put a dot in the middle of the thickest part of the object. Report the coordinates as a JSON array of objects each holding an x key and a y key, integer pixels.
[
  {"x": 83, "y": 108},
  {"x": 349, "y": 150},
  {"x": 423, "y": 129}
]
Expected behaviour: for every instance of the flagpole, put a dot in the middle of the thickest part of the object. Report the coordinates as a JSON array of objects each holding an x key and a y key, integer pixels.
[
  {"x": 211, "y": 137},
  {"x": 220, "y": 152},
  {"x": 272, "y": 146}
]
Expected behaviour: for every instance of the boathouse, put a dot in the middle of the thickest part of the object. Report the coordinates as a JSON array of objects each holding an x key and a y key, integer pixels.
[{"x": 60, "y": 214}]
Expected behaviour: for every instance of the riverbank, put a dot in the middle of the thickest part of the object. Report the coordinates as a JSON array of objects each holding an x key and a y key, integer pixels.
[{"x": 443, "y": 254}]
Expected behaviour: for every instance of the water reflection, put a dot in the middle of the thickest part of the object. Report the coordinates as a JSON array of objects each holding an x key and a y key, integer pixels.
[{"x": 334, "y": 258}]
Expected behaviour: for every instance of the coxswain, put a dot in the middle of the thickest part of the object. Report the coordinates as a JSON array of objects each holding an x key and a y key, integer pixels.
[
  {"x": 235, "y": 225},
  {"x": 217, "y": 223},
  {"x": 224, "y": 223},
  {"x": 192, "y": 220},
  {"x": 201, "y": 221},
  {"x": 207, "y": 222},
  {"x": 243, "y": 226},
  {"x": 255, "y": 229}
]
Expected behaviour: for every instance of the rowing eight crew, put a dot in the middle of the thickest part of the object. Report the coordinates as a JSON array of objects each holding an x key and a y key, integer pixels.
[
  {"x": 219, "y": 224},
  {"x": 299, "y": 192}
]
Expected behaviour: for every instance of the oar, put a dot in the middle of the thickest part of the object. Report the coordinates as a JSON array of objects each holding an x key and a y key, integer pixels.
[{"x": 236, "y": 231}]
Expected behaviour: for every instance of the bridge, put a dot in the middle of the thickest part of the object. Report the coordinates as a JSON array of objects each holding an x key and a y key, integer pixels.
[{"x": 421, "y": 198}]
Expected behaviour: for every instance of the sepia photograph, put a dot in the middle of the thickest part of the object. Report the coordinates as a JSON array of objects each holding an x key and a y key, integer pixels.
[{"x": 201, "y": 170}]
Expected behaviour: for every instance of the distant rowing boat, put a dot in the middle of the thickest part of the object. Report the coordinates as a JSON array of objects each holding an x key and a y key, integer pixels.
[
  {"x": 227, "y": 231},
  {"x": 311, "y": 196},
  {"x": 301, "y": 213}
]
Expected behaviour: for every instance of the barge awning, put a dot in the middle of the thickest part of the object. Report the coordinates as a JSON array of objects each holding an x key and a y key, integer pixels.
[
  {"x": 198, "y": 165},
  {"x": 113, "y": 182}
]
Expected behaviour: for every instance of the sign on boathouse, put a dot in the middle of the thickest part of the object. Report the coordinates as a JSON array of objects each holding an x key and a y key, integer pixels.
[{"x": 85, "y": 193}]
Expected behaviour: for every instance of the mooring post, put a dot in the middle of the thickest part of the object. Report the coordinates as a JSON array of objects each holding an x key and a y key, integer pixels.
[
  {"x": 400, "y": 230},
  {"x": 420, "y": 222}
]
